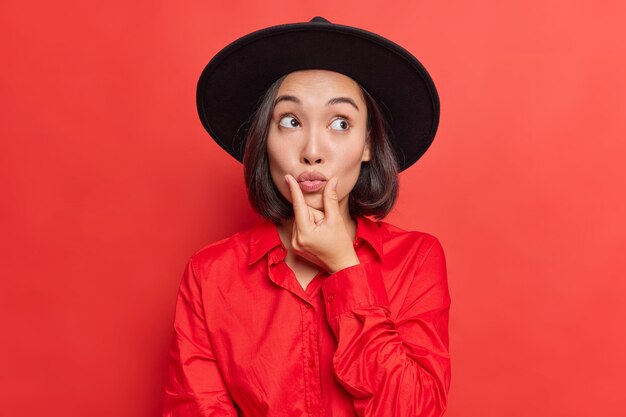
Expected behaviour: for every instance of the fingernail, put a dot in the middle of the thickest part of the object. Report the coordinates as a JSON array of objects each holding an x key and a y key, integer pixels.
[{"x": 334, "y": 184}]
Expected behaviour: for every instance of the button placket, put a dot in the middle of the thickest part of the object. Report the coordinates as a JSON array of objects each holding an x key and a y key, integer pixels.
[{"x": 311, "y": 359}]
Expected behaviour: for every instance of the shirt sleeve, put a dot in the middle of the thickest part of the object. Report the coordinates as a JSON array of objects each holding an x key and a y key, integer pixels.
[
  {"x": 400, "y": 366},
  {"x": 194, "y": 385}
]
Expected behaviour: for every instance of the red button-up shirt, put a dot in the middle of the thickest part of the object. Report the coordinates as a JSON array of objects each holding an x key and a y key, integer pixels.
[{"x": 369, "y": 340}]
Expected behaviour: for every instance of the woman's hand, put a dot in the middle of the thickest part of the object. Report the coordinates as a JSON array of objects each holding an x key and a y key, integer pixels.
[{"x": 321, "y": 236}]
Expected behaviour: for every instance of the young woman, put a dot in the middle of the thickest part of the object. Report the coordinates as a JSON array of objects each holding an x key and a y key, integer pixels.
[{"x": 318, "y": 310}]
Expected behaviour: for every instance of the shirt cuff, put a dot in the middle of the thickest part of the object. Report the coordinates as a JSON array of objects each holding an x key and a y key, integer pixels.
[{"x": 353, "y": 287}]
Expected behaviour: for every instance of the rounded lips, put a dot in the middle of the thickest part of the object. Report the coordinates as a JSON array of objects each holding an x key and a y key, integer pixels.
[
  {"x": 311, "y": 181},
  {"x": 311, "y": 176}
]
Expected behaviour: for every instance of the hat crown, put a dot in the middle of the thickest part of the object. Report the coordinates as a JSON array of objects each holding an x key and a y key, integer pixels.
[{"x": 319, "y": 19}]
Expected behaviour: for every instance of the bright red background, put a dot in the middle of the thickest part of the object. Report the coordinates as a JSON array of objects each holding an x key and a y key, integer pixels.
[{"x": 109, "y": 184}]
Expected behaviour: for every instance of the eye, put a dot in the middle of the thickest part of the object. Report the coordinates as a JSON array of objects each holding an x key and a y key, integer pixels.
[
  {"x": 289, "y": 122},
  {"x": 340, "y": 124}
]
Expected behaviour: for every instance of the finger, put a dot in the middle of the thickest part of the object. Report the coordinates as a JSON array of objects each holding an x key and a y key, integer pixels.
[
  {"x": 316, "y": 215},
  {"x": 331, "y": 200},
  {"x": 300, "y": 209}
]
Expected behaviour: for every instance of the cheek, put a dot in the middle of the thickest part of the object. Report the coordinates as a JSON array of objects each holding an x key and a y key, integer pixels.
[{"x": 349, "y": 173}]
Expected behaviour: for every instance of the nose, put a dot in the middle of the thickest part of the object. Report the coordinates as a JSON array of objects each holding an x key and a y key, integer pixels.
[{"x": 312, "y": 150}]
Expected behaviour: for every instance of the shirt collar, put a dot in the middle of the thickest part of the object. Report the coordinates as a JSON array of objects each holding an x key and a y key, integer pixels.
[
  {"x": 264, "y": 237},
  {"x": 369, "y": 231}
]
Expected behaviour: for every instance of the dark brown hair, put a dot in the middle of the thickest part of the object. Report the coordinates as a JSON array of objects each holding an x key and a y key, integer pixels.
[{"x": 374, "y": 193}]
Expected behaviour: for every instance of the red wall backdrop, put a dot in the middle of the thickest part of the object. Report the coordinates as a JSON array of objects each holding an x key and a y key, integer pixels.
[{"x": 109, "y": 184}]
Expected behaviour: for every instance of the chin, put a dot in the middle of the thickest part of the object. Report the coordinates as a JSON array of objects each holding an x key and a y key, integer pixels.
[{"x": 315, "y": 201}]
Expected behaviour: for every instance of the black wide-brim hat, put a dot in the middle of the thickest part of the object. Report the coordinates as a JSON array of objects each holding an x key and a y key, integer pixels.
[{"x": 234, "y": 81}]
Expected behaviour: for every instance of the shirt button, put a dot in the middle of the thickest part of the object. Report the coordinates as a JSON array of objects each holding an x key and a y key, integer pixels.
[
  {"x": 330, "y": 297},
  {"x": 307, "y": 305},
  {"x": 311, "y": 363}
]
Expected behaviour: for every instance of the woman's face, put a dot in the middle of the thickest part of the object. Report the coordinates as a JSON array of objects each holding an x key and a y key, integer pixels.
[{"x": 318, "y": 131}]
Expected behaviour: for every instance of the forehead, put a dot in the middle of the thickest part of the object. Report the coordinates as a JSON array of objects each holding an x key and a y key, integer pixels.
[{"x": 320, "y": 83}]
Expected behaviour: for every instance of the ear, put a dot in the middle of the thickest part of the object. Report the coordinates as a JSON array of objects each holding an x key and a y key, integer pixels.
[{"x": 367, "y": 152}]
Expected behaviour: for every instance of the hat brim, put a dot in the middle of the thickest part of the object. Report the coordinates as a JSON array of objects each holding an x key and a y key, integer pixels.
[{"x": 233, "y": 82}]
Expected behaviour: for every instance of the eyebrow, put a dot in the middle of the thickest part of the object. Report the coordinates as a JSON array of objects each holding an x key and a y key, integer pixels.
[{"x": 332, "y": 101}]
